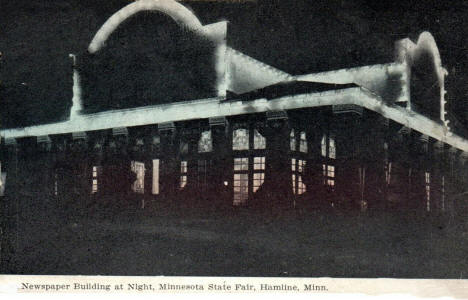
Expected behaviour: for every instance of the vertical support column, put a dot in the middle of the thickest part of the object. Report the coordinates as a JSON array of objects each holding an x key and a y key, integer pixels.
[
  {"x": 78, "y": 170},
  {"x": 45, "y": 170},
  {"x": 277, "y": 183},
  {"x": 419, "y": 173},
  {"x": 169, "y": 166},
  {"x": 222, "y": 161},
  {"x": 398, "y": 192},
  {"x": 373, "y": 158},
  {"x": 351, "y": 152},
  {"x": 60, "y": 166}
]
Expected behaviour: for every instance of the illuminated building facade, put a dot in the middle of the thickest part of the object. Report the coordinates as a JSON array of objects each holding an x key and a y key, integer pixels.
[{"x": 373, "y": 137}]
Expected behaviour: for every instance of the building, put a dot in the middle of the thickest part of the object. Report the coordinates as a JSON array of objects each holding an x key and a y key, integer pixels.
[{"x": 375, "y": 137}]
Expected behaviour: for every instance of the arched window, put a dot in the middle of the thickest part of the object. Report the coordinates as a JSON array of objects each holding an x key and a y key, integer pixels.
[
  {"x": 139, "y": 185},
  {"x": 259, "y": 140},
  {"x": 240, "y": 139},
  {"x": 303, "y": 142},
  {"x": 292, "y": 140},
  {"x": 205, "y": 143},
  {"x": 328, "y": 151}
]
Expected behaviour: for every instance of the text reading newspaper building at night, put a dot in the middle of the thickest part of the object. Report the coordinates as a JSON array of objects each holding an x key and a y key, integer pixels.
[{"x": 372, "y": 137}]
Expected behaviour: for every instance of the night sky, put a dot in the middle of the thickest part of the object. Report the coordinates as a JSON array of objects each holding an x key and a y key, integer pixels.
[{"x": 295, "y": 36}]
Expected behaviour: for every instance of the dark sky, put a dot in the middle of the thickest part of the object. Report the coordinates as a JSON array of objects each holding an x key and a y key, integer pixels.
[{"x": 295, "y": 36}]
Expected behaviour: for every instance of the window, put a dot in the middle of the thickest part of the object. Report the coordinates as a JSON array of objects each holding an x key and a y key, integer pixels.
[
  {"x": 443, "y": 193},
  {"x": 258, "y": 179},
  {"x": 241, "y": 188},
  {"x": 259, "y": 140},
  {"x": 183, "y": 147},
  {"x": 331, "y": 148},
  {"x": 303, "y": 142},
  {"x": 56, "y": 183},
  {"x": 328, "y": 150},
  {"x": 241, "y": 164},
  {"x": 328, "y": 147},
  {"x": 155, "y": 189},
  {"x": 183, "y": 174},
  {"x": 324, "y": 146},
  {"x": 259, "y": 173},
  {"x": 202, "y": 173},
  {"x": 387, "y": 165},
  {"x": 292, "y": 140},
  {"x": 428, "y": 190},
  {"x": 205, "y": 143},
  {"x": 388, "y": 173},
  {"x": 240, "y": 139},
  {"x": 259, "y": 163},
  {"x": 241, "y": 180},
  {"x": 298, "y": 169},
  {"x": 156, "y": 143},
  {"x": 94, "y": 186},
  {"x": 328, "y": 175},
  {"x": 139, "y": 185}
]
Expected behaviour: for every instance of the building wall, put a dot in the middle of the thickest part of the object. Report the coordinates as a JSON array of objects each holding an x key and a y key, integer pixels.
[{"x": 340, "y": 158}]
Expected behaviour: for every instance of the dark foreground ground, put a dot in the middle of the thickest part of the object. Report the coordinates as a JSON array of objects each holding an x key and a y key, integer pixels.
[{"x": 237, "y": 243}]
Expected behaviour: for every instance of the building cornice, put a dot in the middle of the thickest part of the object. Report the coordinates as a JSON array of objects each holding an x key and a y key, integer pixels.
[{"x": 215, "y": 107}]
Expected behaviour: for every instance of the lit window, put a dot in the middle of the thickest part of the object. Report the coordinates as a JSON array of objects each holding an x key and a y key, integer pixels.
[
  {"x": 259, "y": 163},
  {"x": 259, "y": 174},
  {"x": 301, "y": 165},
  {"x": 183, "y": 181},
  {"x": 328, "y": 147},
  {"x": 183, "y": 174},
  {"x": 241, "y": 188},
  {"x": 258, "y": 179},
  {"x": 292, "y": 140},
  {"x": 324, "y": 145},
  {"x": 240, "y": 139},
  {"x": 303, "y": 142},
  {"x": 155, "y": 189},
  {"x": 328, "y": 175},
  {"x": 428, "y": 190},
  {"x": 205, "y": 143},
  {"x": 332, "y": 148},
  {"x": 94, "y": 187},
  {"x": 293, "y": 178},
  {"x": 388, "y": 172},
  {"x": 241, "y": 164},
  {"x": 259, "y": 140},
  {"x": 301, "y": 188},
  {"x": 298, "y": 168},
  {"x": 139, "y": 184},
  {"x": 183, "y": 167}
]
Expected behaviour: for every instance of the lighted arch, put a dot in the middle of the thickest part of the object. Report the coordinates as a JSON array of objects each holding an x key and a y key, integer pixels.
[
  {"x": 408, "y": 52},
  {"x": 179, "y": 13}
]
